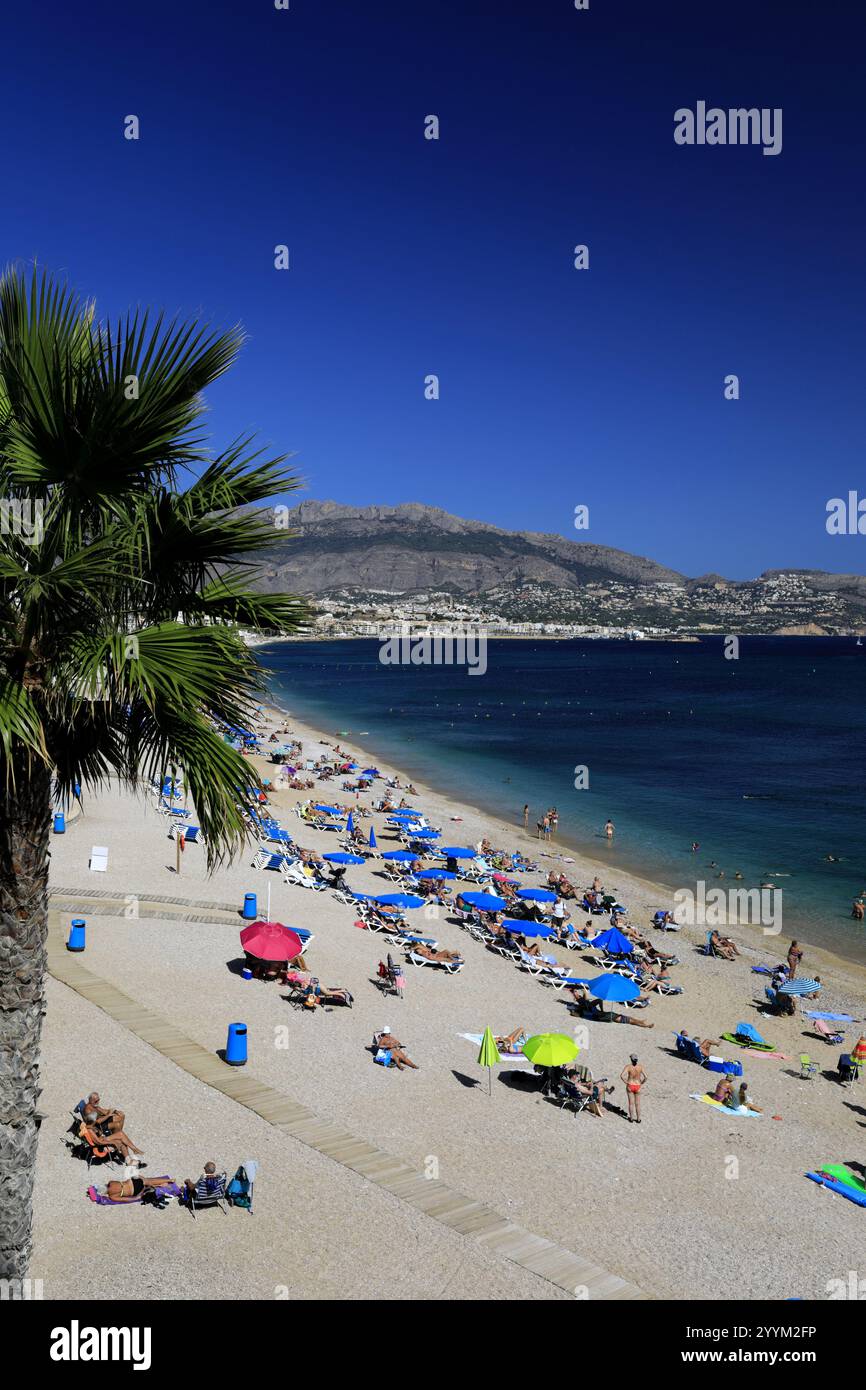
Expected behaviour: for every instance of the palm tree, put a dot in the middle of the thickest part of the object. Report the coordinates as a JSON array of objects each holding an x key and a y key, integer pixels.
[{"x": 127, "y": 561}]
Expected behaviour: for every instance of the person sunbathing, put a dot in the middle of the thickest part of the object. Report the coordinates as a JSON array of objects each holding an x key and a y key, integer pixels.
[
  {"x": 315, "y": 994},
  {"x": 512, "y": 1042},
  {"x": 116, "y": 1140},
  {"x": 745, "y": 1103},
  {"x": 724, "y": 1092},
  {"x": 130, "y": 1189},
  {"x": 706, "y": 1046},
  {"x": 389, "y": 1043},
  {"x": 723, "y": 946},
  {"x": 656, "y": 980},
  {"x": 429, "y": 954},
  {"x": 98, "y": 1117}
]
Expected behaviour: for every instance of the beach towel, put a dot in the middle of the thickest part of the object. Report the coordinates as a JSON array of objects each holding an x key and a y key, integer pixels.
[
  {"x": 739, "y": 1110},
  {"x": 101, "y": 1200},
  {"x": 829, "y": 1018},
  {"x": 475, "y": 1039},
  {"x": 758, "y": 1047},
  {"x": 840, "y": 1188}
]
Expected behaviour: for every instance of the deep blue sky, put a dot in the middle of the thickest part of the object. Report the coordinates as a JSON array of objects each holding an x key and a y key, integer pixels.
[{"x": 604, "y": 387}]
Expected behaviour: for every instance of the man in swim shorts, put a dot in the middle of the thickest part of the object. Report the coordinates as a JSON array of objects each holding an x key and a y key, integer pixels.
[{"x": 634, "y": 1077}]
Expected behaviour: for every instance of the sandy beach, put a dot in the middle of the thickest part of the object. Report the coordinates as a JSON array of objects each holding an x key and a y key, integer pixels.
[{"x": 693, "y": 1204}]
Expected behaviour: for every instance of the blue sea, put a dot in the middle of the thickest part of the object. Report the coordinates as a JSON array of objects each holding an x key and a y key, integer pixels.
[{"x": 761, "y": 759}]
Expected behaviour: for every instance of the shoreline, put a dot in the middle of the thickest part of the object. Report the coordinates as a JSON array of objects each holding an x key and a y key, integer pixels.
[{"x": 567, "y": 848}]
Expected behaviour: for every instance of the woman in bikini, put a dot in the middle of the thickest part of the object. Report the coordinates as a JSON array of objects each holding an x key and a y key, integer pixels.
[
  {"x": 130, "y": 1189},
  {"x": 634, "y": 1077}
]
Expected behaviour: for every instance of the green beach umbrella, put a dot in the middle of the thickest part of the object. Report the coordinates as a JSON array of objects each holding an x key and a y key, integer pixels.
[
  {"x": 488, "y": 1056},
  {"x": 550, "y": 1049}
]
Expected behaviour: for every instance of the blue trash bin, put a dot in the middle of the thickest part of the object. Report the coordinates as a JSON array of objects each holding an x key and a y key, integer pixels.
[
  {"x": 250, "y": 908},
  {"x": 59, "y": 823},
  {"x": 236, "y": 1045},
  {"x": 75, "y": 940}
]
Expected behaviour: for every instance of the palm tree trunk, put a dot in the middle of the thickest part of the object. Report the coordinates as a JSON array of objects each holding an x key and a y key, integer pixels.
[{"x": 25, "y": 813}]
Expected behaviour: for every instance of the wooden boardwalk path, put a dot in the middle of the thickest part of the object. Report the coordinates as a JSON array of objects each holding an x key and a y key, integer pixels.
[{"x": 472, "y": 1219}]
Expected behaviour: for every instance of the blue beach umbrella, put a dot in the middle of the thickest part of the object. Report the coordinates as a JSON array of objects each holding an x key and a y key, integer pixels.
[
  {"x": 800, "y": 987},
  {"x": 436, "y": 873},
  {"x": 350, "y": 824},
  {"x": 537, "y": 895},
  {"x": 400, "y": 900},
  {"x": 455, "y": 852},
  {"x": 371, "y": 772},
  {"x": 613, "y": 941},
  {"x": 403, "y": 856},
  {"x": 615, "y": 988},
  {"x": 341, "y": 857},
  {"x": 529, "y": 929},
  {"x": 372, "y": 838},
  {"x": 487, "y": 902}
]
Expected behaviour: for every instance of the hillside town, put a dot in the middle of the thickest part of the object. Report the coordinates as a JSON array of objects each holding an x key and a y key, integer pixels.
[{"x": 778, "y": 603}]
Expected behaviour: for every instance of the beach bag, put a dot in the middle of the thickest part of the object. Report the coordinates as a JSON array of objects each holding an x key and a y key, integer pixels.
[
  {"x": 238, "y": 1190},
  {"x": 383, "y": 1056}
]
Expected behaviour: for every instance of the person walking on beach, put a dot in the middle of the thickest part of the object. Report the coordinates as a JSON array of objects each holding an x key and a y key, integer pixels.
[
  {"x": 795, "y": 955},
  {"x": 634, "y": 1077},
  {"x": 526, "y": 816},
  {"x": 609, "y": 828}
]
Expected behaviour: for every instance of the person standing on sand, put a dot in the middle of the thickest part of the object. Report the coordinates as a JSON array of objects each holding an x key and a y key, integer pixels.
[
  {"x": 634, "y": 1077},
  {"x": 609, "y": 829},
  {"x": 795, "y": 955},
  {"x": 526, "y": 816}
]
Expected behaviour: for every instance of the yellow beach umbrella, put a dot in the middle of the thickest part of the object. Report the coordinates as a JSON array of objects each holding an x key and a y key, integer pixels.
[
  {"x": 550, "y": 1049},
  {"x": 488, "y": 1056}
]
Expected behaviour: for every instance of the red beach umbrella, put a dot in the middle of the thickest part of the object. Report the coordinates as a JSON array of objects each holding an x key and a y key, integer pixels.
[{"x": 271, "y": 941}]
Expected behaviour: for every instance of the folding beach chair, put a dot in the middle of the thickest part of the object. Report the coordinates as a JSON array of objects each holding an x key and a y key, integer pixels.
[
  {"x": 209, "y": 1191},
  {"x": 808, "y": 1068}
]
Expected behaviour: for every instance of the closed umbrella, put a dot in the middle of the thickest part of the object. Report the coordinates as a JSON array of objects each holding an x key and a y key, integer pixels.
[
  {"x": 372, "y": 838},
  {"x": 350, "y": 824},
  {"x": 488, "y": 1056}
]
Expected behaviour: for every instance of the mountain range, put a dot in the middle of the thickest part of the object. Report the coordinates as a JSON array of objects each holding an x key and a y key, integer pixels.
[{"x": 325, "y": 549}]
